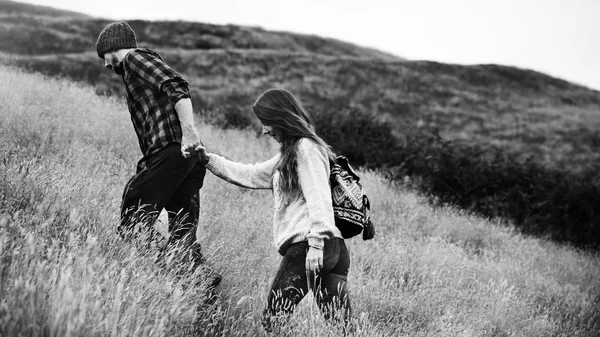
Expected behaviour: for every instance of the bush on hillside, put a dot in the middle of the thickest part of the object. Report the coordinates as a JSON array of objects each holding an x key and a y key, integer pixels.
[
  {"x": 542, "y": 202},
  {"x": 228, "y": 111},
  {"x": 549, "y": 203},
  {"x": 475, "y": 103},
  {"x": 355, "y": 134},
  {"x": 227, "y": 117}
]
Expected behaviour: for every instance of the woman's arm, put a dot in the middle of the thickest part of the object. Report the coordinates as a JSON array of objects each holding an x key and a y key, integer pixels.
[
  {"x": 256, "y": 176},
  {"x": 313, "y": 178}
]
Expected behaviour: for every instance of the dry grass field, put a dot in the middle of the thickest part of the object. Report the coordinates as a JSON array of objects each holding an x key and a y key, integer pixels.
[{"x": 66, "y": 155}]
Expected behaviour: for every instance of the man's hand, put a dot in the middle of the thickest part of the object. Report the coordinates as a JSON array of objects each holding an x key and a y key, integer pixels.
[
  {"x": 189, "y": 141},
  {"x": 190, "y": 138}
]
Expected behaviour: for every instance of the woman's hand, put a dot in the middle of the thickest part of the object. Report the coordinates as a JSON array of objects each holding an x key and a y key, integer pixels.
[
  {"x": 314, "y": 260},
  {"x": 200, "y": 154}
]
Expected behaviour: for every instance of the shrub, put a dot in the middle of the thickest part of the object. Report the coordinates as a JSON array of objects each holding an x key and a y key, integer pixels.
[{"x": 543, "y": 202}]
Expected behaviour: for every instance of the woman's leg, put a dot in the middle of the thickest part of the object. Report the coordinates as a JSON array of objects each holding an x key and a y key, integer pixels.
[
  {"x": 334, "y": 300},
  {"x": 333, "y": 296},
  {"x": 329, "y": 285},
  {"x": 289, "y": 286}
]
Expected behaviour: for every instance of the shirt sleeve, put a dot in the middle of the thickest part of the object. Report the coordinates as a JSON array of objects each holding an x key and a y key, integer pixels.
[
  {"x": 155, "y": 73},
  {"x": 313, "y": 176},
  {"x": 256, "y": 176}
]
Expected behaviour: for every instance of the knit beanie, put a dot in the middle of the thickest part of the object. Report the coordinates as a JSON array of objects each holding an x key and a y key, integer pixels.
[{"x": 117, "y": 35}]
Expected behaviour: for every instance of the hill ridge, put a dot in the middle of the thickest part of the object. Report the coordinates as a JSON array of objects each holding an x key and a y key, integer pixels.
[
  {"x": 27, "y": 32},
  {"x": 8, "y": 7}
]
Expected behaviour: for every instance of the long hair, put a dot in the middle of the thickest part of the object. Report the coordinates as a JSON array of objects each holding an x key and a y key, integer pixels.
[{"x": 279, "y": 109}]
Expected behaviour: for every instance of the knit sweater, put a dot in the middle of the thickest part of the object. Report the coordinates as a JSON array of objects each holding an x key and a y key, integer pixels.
[{"x": 307, "y": 218}]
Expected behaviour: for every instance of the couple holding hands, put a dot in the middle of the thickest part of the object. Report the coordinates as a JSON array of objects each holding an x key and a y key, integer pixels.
[{"x": 172, "y": 169}]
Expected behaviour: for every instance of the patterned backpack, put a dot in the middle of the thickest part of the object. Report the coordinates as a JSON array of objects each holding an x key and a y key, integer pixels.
[{"x": 351, "y": 206}]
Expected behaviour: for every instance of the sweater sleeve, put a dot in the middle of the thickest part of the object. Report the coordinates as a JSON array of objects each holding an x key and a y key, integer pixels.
[
  {"x": 256, "y": 176},
  {"x": 313, "y": 176}
]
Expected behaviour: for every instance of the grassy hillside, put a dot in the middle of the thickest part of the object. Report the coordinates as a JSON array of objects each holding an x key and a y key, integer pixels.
[
  {"x": 66, "y": 154},
  {"x": 497, "y": 140},
  {"x": 547, "y": 119},
  {"x": 27, "y": 29},
  {"x": 13, "y": 8},
  {"x": 523, "y": 112},
  {"x": 527, "y": 114}
]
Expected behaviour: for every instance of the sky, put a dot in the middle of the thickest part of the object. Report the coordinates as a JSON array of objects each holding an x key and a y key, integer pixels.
[{"x": 558, "y": 37}]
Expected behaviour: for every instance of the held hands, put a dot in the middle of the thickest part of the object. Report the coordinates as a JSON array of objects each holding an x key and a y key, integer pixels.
[
  {"x": 200, "y": 154},
  {"x": 189, "y": 141},
  {"x": 189, "y": 144}
]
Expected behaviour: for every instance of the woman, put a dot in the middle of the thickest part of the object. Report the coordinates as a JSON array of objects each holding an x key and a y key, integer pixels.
[{"x": 314, "y": 253}]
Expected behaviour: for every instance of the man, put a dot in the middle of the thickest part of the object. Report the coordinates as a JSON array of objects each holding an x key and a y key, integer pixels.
[{"x": 168, "y": 176}]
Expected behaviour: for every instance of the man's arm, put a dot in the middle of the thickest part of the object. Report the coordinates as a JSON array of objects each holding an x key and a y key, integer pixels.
[
  {"x": 151, "y": 69},
  {"x": 190, "y": 138}
]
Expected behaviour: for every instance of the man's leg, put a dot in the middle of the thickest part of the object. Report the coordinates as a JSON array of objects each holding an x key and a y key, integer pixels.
[
  {"x": 184, "y": 213},
  {"x": 138, "y": 215},
  {"x": 184, "y": 206},
  {"x": 151, "y": 189}
]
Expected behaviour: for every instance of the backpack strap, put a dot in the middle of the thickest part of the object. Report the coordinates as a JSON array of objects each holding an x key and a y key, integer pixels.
[{"x": 345, "y": 164}]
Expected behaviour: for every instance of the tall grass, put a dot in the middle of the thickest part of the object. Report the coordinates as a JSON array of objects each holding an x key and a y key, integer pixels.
[{"x": 66, "y": 155}]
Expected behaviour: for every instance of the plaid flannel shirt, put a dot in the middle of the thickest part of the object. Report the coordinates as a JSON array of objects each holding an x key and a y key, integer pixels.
[{"x": 153, "y": 88}]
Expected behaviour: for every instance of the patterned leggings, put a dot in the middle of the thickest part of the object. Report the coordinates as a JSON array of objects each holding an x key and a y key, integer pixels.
[{"x": 329, "y": 286}]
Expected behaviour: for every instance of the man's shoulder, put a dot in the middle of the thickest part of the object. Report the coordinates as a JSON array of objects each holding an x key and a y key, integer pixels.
[
  {"x": 142, "y": 61},
  {"x": 142, "y": 54}
]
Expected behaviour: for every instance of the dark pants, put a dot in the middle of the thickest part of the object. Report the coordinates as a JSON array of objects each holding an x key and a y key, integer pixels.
[
  {"x": 292, "y": 283},
  {"x": 169, "y": 181}
]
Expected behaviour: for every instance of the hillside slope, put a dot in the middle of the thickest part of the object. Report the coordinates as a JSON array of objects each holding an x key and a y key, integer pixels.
[
  {"x": 523, "y": 112},
  {"x": 28, "y": 29},
  {"x": 66, "y": 154},
  {"x": 12, "y": 8},
  {"x": 497, "y": 140}
]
